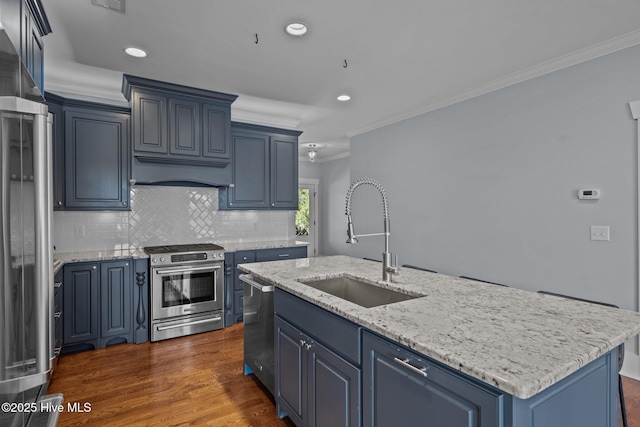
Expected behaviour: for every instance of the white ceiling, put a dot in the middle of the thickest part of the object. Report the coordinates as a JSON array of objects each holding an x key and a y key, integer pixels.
[{"x": 404, "y": 57}]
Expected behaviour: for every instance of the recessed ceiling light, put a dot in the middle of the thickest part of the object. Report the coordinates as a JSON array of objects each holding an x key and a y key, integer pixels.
[
  {"x": 134, "y": 51},
  {"x": 296, "y": 29},
  {"x": 343, "y": 97}
]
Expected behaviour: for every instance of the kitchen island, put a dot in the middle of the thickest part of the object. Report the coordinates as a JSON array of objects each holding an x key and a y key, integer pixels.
[{"x": 531, "y": 352}]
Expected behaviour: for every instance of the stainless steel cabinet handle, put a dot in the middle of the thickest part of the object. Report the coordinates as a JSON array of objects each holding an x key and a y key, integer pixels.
[
  {"x": 59, "y": 203},
  {"x": 302, "y": 343},
  {"x": 94, "y": 267},
  {"x": 187, "y": 270},
  {"x": 57, "y": 315},
  {"x": 248, "y": 279},
  {"x": 405, "y": 363},
  {"x": 283, "y": 255},
  {"x": 57, "y": 285},
  {"x": 124, "y": 203},
  {"x": 307, "y": 346},
  {"x": 195, "y": 322}
]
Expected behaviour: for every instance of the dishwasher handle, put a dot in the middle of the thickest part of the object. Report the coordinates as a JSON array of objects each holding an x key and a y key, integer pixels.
[{"x": 248, "y": 279}]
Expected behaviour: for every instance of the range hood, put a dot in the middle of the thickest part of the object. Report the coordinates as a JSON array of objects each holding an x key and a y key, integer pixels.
[{"x": 176, "y": 174}]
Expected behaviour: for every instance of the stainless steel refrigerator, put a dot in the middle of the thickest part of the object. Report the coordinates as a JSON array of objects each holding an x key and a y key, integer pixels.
[{"x": 26, "y": 285}]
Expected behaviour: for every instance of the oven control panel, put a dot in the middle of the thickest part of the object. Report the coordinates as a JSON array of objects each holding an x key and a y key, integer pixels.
[{"x": 187, "y": 257}]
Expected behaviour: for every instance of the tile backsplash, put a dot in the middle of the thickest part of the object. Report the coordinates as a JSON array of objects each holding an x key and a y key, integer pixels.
[{"x": 167, "y": 215}]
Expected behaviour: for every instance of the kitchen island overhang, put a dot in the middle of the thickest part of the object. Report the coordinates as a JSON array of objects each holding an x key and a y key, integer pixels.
[{"x": 517, "y": 341}]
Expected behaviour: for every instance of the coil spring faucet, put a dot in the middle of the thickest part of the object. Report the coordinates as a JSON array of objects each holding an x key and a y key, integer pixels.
[{"x": 388, "y": 268}]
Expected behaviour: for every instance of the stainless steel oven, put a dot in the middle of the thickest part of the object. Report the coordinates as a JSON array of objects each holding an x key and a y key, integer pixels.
[{"x": 187, "y": 289}]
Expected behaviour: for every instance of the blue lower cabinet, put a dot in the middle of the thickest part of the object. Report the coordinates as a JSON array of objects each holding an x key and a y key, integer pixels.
[
  {"x": 115, "y": 300},
  {"x": 98, "y": 305},
  {"x": 403, "y": 388},
  {"x": 80, "y": 308},
  {"x": 314, "y": 386}
]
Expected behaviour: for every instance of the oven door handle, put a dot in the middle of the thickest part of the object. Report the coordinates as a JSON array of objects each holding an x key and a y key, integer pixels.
[
  {"x": 188, "y": 270},
  {"x": 248, "y": 279}
]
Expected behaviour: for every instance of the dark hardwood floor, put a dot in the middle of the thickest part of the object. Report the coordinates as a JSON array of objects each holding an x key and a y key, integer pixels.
[{"x": 189, "y": 381}]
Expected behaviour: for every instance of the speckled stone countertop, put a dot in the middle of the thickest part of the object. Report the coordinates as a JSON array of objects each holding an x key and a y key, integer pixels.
[
  {"x": 59, "y": 259},
  {"x": 245, "y": 246},
  {"x": 518, "y": 341}
]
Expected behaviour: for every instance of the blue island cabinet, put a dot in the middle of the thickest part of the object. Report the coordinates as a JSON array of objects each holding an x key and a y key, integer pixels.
[
  {"x": 317, "y": 372},
  {"x": 402, "y": 387},
  {"x": 331, "y": 371}
]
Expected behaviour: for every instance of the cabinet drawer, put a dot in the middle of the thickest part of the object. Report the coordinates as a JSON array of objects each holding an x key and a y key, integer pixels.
[
  {"x": 280, "y": 254},
  {"x": 242, "y": 257},
  {"x": 340, "y": 335},
  {"x": 406, "y": 388}
]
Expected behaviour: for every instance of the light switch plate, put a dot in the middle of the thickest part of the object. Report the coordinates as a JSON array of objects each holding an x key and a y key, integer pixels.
[{"x": 600, "y": 232}]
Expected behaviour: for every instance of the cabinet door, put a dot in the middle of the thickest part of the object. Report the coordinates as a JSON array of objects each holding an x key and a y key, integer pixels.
[
  {"x": 149, "y": 123},
  {"x": 80, "y": 302},
  {"x": 291, "y": 371},
  {"x": 32, "y": 47},
  {"x": 115, "y": 298},
  {"x": 250, "y": 171},
  {"x": 96, "y": 159},
  {"x": 284, "y": 172},
  {"x": 402, "y": 388},
  {"x": 184, "y": 128},
  {"x": 334, "y": 389},
  {"x": 216, "y": 132},
  {"x": 58, "y": 154}
]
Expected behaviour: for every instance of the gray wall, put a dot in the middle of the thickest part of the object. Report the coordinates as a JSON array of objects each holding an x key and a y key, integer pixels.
[
  {"x": 333, "y": 184},
  {"x": 488, "y": 187}
]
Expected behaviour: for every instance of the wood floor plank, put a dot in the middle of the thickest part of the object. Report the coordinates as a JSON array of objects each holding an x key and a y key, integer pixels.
[{"x": 190, "y": 381}]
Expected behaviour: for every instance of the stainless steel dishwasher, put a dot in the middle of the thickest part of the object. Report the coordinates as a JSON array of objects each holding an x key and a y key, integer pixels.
[{"x": 258, "y": 330}]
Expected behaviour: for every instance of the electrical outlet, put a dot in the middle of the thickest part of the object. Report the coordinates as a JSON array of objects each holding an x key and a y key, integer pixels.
[
  {"x": 79, "y": 230},
  {"x": 600, "y": 232}
]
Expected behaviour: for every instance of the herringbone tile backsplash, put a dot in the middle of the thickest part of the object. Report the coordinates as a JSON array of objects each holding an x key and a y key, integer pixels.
[{"x": 168, "y": 215}]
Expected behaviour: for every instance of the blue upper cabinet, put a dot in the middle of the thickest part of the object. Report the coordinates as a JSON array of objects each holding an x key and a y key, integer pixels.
[
  {"x": 34, "y": 26},
  {"x": 265, "y": 169},
  {"x": 149, "y": 130},
  {"x": 179, "y": 125},
  {"x": 55, "y": 103},
  {"x": 90, "y": 155},
  {"x": 25, "y": 23},
  {"x": 96, "y": 158}
]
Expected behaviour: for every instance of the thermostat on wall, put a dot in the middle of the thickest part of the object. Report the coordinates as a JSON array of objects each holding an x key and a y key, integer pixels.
[{"x": 589, "y": 194}]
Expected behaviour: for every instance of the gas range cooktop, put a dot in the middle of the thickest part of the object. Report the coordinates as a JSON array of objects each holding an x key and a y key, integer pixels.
[
  {"x": 180, "y": 254},
  {"x": 169, "y": 249}
]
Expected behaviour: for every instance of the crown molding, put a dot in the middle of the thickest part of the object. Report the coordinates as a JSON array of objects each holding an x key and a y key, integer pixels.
[
  {"x": 577, "y": 57},
  {"x": 246, "y": 116}
]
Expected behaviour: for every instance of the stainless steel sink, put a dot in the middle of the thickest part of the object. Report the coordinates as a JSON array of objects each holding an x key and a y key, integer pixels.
[{"x": 358, "y": 292}]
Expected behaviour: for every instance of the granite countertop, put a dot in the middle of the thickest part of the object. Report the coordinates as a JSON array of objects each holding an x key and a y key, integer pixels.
[
  {"x": 518, "y": 341},
  {"x": 59, "y": 259},
  {"x": 242, "y": 246}
]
